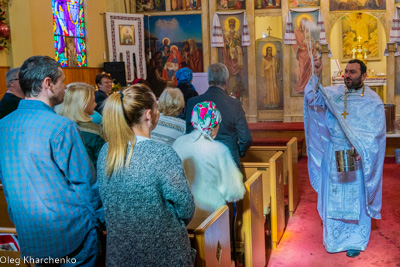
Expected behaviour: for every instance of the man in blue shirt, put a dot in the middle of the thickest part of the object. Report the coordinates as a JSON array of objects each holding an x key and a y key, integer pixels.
[{"x": 48, "y": 179}]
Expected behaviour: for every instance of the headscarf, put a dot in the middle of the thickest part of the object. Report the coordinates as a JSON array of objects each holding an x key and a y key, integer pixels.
[
  {"x": 184, "y": 75},
  {"x": 205, "y": 117}
]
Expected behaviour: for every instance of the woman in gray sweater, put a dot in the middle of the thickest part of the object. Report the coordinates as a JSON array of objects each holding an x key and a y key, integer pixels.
[{"x": 143, "y": 187}]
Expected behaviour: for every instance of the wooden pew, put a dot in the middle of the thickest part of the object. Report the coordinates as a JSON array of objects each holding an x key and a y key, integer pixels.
[
  {"x": 7, "y": 227},
  {"x": 272, "y": 191},
  {"x": 253, "y": 222},
  {"x": 263, "y": 153},
  {"x": 276, "y": 130},
  {"x": 211, "y": 239},
  {"x": 5, "y": 221}
]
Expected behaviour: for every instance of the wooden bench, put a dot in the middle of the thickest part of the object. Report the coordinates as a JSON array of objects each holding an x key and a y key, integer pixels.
[
  {"x": 7, "y": 227},
  {"x": 264, "y": 133},
  {"x": 272, "y": 191},
  {"x": 211, "y": 239},
  {"x": 5, "y": 221},
  {"x": 253, "y": 222},
  {"x": 264, "y": 153}
]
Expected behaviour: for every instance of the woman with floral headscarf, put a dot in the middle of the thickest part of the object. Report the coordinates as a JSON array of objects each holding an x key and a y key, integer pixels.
[{"x": 212, "y": 173}]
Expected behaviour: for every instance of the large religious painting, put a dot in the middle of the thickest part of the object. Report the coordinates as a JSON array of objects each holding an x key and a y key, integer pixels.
[
  {"x": 269, "y": 73},
  {"x": 150, "y": 5},
  {"x": 267, "y": 4},
  {"x": 304, "y": 3},
  {"x": 340, "y": 5},
  {"x": 233, "y": 55},
  {"x": 301, "y": 53},
  {"x": 69, "y": 33},
  {"x": 185, "y": 5},
  {"x": 359, "y": 31},
  {"x": 176, "y": 43},
  {"x": 231, "y": 4}
]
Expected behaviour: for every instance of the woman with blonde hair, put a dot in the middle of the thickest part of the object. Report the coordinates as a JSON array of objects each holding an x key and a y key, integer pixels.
[
  {"x": 78, "y": 105},
  {"x": 169, "y": 127},
  {"x": 143, "y": 187}
]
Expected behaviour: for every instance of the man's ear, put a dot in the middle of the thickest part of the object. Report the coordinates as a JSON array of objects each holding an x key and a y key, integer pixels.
[
  {"x": 47, "y": 84},
  {"x": 363, "y": 76}
]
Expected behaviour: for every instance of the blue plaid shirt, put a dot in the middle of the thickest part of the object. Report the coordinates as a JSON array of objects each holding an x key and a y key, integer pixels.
[{"x": 48, "y": 179}]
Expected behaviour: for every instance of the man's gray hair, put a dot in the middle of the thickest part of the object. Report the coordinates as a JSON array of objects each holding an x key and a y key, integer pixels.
[
  {"x": 33, "y": 72},
  {"x": 12, "y": 74},
  {"x": 217, "y": 74}
]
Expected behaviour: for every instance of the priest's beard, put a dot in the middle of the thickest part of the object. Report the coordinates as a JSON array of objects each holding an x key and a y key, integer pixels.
[{"x": 353, "y": 83}]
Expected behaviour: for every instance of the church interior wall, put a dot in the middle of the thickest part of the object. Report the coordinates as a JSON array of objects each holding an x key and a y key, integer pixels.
[{"x": 32, "y": 34}]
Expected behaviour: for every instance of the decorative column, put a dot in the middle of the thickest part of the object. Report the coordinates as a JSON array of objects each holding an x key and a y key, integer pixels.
[{"x": 390, "y": 74}]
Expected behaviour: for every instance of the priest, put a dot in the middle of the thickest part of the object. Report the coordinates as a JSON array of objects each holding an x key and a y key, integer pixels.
[{"x": 346, "y": 119}]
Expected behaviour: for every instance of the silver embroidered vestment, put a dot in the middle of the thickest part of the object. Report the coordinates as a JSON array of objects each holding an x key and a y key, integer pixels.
[{"x": 345, "y": 205}]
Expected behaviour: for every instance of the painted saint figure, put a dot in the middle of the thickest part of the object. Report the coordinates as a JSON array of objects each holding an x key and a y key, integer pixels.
[
  {"x": 233, "y": 55},
  {"x": 268, "y": 72},
  {"x": 302, "y": 54},
  {"x": 196, "y": 58},
  {"x": 173, "y": 63},
  {"x": 165, "y": 51}
]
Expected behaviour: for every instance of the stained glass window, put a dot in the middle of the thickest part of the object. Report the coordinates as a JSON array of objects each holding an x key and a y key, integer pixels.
[{"x": 69, "y": 33}]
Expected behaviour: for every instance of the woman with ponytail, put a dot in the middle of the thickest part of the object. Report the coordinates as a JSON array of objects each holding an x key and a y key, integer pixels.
[{"x": 143, "y": 186}]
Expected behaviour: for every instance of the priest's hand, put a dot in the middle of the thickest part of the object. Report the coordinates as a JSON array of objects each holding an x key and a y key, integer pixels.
[
  {"x": 355, "y": 153},
  {"x": 317, "y": 66}
]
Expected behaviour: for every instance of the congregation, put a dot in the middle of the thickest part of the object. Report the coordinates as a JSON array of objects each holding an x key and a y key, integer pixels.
[
  {"x": 77, "y": 163},
  {"x": 123, "y": 162}
]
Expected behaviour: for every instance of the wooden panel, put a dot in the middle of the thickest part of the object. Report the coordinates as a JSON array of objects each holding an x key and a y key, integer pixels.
[
  {"x": 273, "y": 191},
  {"x": 253, "y": 222},
  {"x": 212, "y": 239},
  {"x": 264, "y": 153},
  {"x": 290, "y": 162},
  {"x": 4, "y": 218},
  {"x": 3, "y": 82},
  {"x": 248, "y": 169},
  {"x": 282, "y": 134},
  {"x": 293, "y": 186},
  {"x": 86, "y": 75},
  {"x": 278, "y": 222}
]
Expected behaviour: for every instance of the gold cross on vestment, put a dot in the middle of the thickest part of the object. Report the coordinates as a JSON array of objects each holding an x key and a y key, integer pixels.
[{"x": 344, "y": 114}]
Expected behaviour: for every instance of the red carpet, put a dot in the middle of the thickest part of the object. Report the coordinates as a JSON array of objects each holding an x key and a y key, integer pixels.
[{"x": 302, "y": 244}]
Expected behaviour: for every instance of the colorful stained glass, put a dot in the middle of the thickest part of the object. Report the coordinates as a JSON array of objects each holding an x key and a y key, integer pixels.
[{"x": 69, "y": 33}]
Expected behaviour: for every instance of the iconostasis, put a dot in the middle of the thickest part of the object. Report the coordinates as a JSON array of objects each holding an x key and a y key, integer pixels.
[{"x": 268, "y": 70}]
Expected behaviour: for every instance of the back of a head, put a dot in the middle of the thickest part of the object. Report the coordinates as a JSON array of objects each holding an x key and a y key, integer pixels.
[
  {"x": 34, "y": 70},
  {"x": 12, "y": 74},
  {"x": 171, "y": 102},
  {"x": 205, "y": 117},
  {"x": 184, "y": 75},
  {"x": 120, "y": 113},
  {"x": 76, "y": 98},
  {"x": 217, "y": 74}
]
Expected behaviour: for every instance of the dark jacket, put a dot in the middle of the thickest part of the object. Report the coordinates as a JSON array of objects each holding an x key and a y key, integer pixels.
[
  {"x": 233, "y": 131},
  {"x": 188, "y": 92},
  {"x": 99, "y": 98},
  {"x": 8, "y": 104}
]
